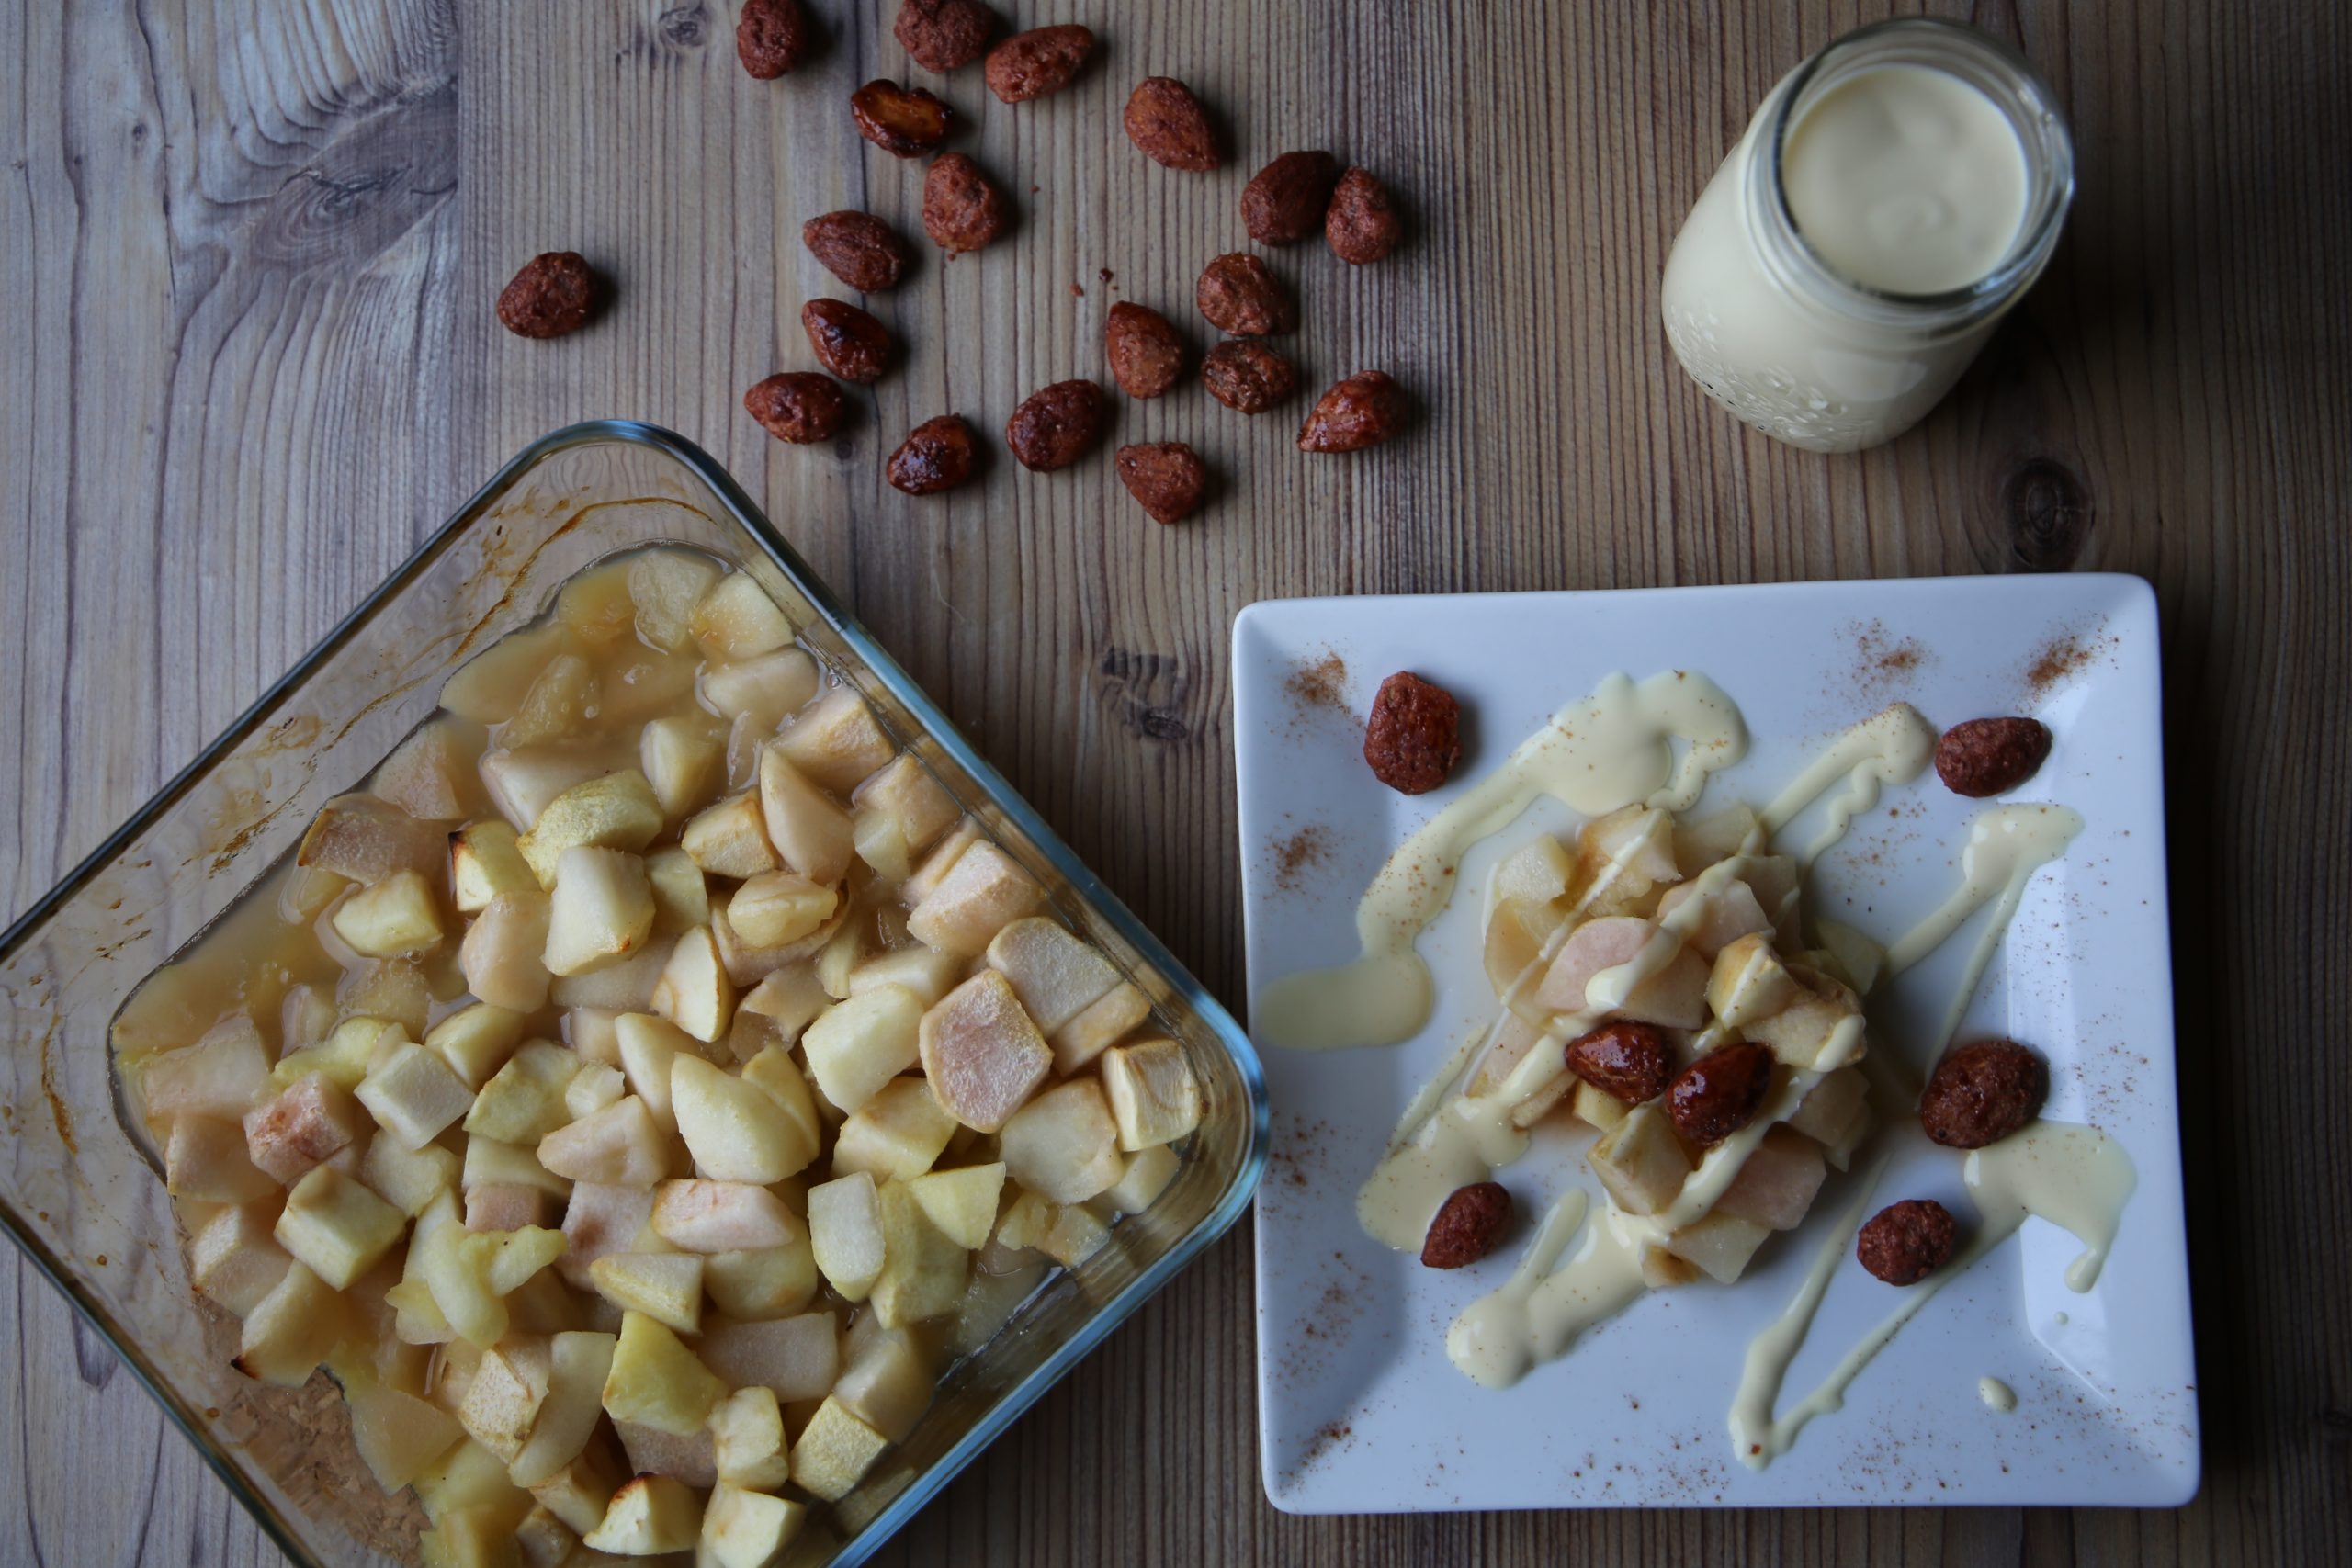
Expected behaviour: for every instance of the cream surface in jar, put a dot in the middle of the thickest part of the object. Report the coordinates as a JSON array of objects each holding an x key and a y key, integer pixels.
[{"x": 1892, "y": 199}]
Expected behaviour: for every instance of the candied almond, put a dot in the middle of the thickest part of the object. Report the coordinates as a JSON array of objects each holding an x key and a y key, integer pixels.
[
  {"x": 1361, "y": 225},
  {"x": 858, "y": 248},
  {"x": 1720, "y": 1093},
  {"x": 1991, "y": 756},
  {"x": 1239, "y": 295},
  {"x": 848, "y": 342},
  {"x": 902, "y": 121},
  {"x": 1167, "y": 479},
  {"x": 939, "y": 453},
  {"x": 1286, "y": 201},
  {"x": 1168, "y": 124},
  {"x": 1414, "y": 736},
  {"x": 943, "y": 35},
  {"x": 1469, "y": 1224},
  {"x": 1982, "y": 1092},
  {"x": 1903, "y": 1243},
  {"x": 1363, "y": 410},
  {"x": 962, "y": 208},
  {"x": 773, "y": 38},
  {"x": 1145, "y": 353},
  {"x": 552, "y": 295},
  {"x": 1624, "y": 1060},
  {"x": 1041, "y": 60},
  {"x": 1247, "y": 377},
  {"x": 1056, "y": 425},
  {"x": 799, "y": 406}
]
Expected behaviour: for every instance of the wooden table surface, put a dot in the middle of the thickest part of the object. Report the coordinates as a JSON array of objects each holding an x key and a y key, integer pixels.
[{"x": 251, "y": 363}]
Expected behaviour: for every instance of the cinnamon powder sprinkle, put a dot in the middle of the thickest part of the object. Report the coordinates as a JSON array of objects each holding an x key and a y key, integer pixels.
[
  {"x": 1322, "y": 684},
  {"x": 1298, "y": 854},
  {"x": 2062, "y": 657}
]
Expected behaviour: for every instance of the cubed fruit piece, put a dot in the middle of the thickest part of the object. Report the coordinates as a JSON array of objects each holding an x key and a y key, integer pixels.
[
  {"x": 773, "y": 1071},
  {"x": 503, "y": 1400},
  {"x": 1774, "y": 879},
  {"x": 1064, "y": 1144},
  {"x": 1720, "y": 1245},
  {"x": 490, "y": 686},
  {"x": 1144, "y": 1178},
  {"x": 1598, "y": 1107},
  {"x": 409, "y": 1179},
  {"x": 544, "y": 1540},
  {"x": 475, "y": 1042},
  {"x": 881, "y": 843},
  {"x": 504, "y": 955},
  {"x": 492, "y": 1163},
  {"x": 1102, "y": 1024},
  {"x": 858, "y": 1045},
  {"x": 925, "y": 878},
  {"x": 592, "y": 1089},
  {"x": 365, "y": 841},
  {"x": 837, "y": 742},
  {"x": 722, "y": 1216},
  {"x": 601, "y": 911},
  {"x": 1057, "y": 976},
  {"x": 558, "y": 704},
  {"x": 657, "y": 1381},
  {"x": 847, "y": 943},
  {"x": 579, "y": 1363},
  {"x": 508, "y": 1261},
  {"x": 396, "y": 917},
  {"x": 985, "y": 892},
  {"x": 846, "y": 1230},
  {"x": 614, "y": 811},
  {"x": 1154, "y": 1097},
  {"x": 761, "y": 691},
  {"x": 694, "y": 992},
  {"x": 794, "y": 1357},
  {"x": 1515, "y": 939},
  {"x": 412, "y": 1095},
  {"x": 600, "y": 1220},
  {"x": 523, "y": 1102},
  {"x": 506, "y": 1206},
  {"x": 681, "y": 756},
  {"x": 1642, "y": 1163},
  {"x": 1590, "y": 948},
  {"x": 897, "y": 1135},
  {"x": 1821, "y": 1028},
  {"x": 618, "y": 1146},
  {"x": 430, "y": 775},
  {"x": 524, "y": 781},
  {"x": 1673, "y": 996},
  {"x": 234, "y": 1259},
  {"x": 289, "y": 1331},
  {"x": 730, "y": 839},
  {"x": 922, "y": 1270},
  {"x": 1538, "y": 872},
  {"x": 648, "y": 1517},
  {"x": 399, "y": 1436},
  {"x": 343, "y": 1055},
  {"x": 1777, "y": 1185},
  {"x": 1717, "y": 920},
  {"x": 766, "y": 1283},
  {"x": 625, "y": 987},
  {"x": 649, "y": 1047},
  {"x": 779, "y": 907},
  {"x": 811, "y": 834},
  {"x": 746, "y": 1529},
  {"x": 790, "y": 998},
  {"x": 735, "y": 1130},
  {"x": 929, "y": 973},
  {"x": 219, "y": 1074},
  {"x": 981, "y": 1051},
  {"x": 1856, "y": 961},
  {"x": 307, "y": 1124},
  {"x": 456, "y": 1276},
  {"x": 748, "y": 965},
  {"x": 897, "y": 812},
  {"x": 336, "y": 1228},
  {"x": 738, "y": 620},
  {"x": 1830, "y": 1107},
  {"x": 1663, "y": 1270},
  {"x": 397, "y": 991},
  {"x": 1622, "y": 856},
  {"x": 1700, "y": 844},
  {"x": 579, "y": 1490},
  {"x": 836, "y": 1451},
  {"x": 888, "y": 1384},
  {"x": 681, "y": 893},
  {"x": 665, "y": 586},
  {"x": 747, "y": 1440},
  {"x": 1069, "y": 1234},
  {"x": 664, "y": 1286}
]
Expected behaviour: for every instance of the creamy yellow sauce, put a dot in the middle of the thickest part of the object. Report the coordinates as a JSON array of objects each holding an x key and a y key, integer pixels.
[{"x": 1997, "y": 1394}]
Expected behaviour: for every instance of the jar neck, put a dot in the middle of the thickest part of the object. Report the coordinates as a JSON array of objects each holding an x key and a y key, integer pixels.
[{"x": 1973, "y": 57}]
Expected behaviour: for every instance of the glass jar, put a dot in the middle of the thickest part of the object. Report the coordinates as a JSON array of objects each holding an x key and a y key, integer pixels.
[{"x": 1796, "y": 348}]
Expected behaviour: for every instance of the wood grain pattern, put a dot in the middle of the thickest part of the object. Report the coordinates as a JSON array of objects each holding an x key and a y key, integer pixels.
[{"x": 250, "y": 249}]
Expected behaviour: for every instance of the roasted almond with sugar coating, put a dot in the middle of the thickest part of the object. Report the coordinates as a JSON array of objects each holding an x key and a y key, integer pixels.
[
  {"x": 943, "y": 35},
  {"x": 553, "y": 294},
  {"x": 1041, "y": 60},
  {"x": 799, "y": 406},
  {"x": 1414, "y": 736},
  {"x": 1363, "y": 410},
  {"x": 1168, "y": 124},
  {"x": 940, "y": 453},
  {"x": 1624, "y": 1060},
  {"x": 1905, "y": 1242},
  {"x": 1239, "y": 295},
  {"x": 1361, "y": 224},
  {"x": 1719, "y": 1093},
  {"x": 773, "y": 38},
  {"x": 902, "y": 121},
  {"x": 848, "y": 342},
  {"x": 858, "y": 248},
  {"x": 1991, "y": 756},
  {"x": 1247, "y": 377},
  {"x": 1469, "y": 1224},
  {"x": 1284, "y": 202},
  {"x": 1057, "y": 425},
  {"x": 962, "y": 208},
  {"x": 1167, "y": 479},
  {"x": 1982, "y": 1092},
  {"x": 1145, "y": 353}
]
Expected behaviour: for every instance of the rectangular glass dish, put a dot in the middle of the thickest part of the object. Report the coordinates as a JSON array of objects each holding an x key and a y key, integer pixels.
[{"x": 82, "y": 1191}]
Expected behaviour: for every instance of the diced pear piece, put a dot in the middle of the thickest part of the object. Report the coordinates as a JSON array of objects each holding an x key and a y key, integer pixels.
[
  {"x": 981, "y": 1051},
  {"x": 881, "y": 843},
  {"x": 985, "y": 892},
  {"x": 508, "y": 1261},
  {"x": 490, "y": 686},
  {"x": 680, "y": 894},
  {"x": 925, "y": 878},
  {"x": 1598, "y": 1108},
  {"x": 503, "y": 1402},
  {"x": 811, "y": 834},
  {"x": 1623, "y": 856},
  {"x": 837, "y": 742},
  {"x": 1070, "y": 1235},
  {"x": 649, "y": 1046},
  {"x": 503, "y": 953},
  {"x": 761, "y": 689},
  {"x": 694, "y": 992},
  {"x": 1591, "y": 947},
  {"x": 593, "y": 1033},
  {"x": 1102, "y": 1024},
  {"x": 489, "y": 1162},
  {"x": 648, "y": 1517},
  {"x": 779, "y": 907},
  {"x": 1830, "y": 1107},
  {"x": 289, "y": 1331},
  {"x": 1701, "y": 842},
  {"x": 579, "y": 1490},
  {"x": 456, "y": 1275},
  {"x": 664, "y": 1286},
  {"x": 929, "y": 975},
  {"x": 791, "y": 998},
  {"x": 835, "y": 1452},
  {"x": 625, "y": 987},
  {"x": 399, "y": 1436},
  {"x": 558, "y": 703},
  {"x": 596, "y": 604},
  {"x": 1146, "y": 1175},
  {"x": 1749, "y": 982},
  {"x": 730, "y": 839},
  {"x": 1674, "y": 997},
  {"x": 430, "y": 775},
  {"x": 1777, "y": 1183},
  {"x": 737, "y": 619},
  {"x": 1515, "y": 939},
  {"x": 409, "y": 1179},
  {"x": 1662, "y": 1270},
  {"x": 616, "y": 811},
  {"x": 962, "y": 1202},
  {"x": 1057, "y": 976},
  {"x": 747, "y": 1440},
  {"x": 747, "y": 1529},
  {"x": 235, "y": 1261},
  {"x": 544, "y": 1540},
  {"x": 1720, "y": 1245},
  {"x": 682, "y": 758},
  {"x": 922, "y": 1271},
  {"x": 396, "y": 917},
  {"x": 1154, "y": 1097},
  {"x": 506, "y": 1206},
  {"x": 897, "y": 1135},
  {"x": 412, "y": 1095},
  {"x": 206, "y": 1160},
  {"x": 657, "y": 1381},
  {"x": 1721, "y": 920},
  {"x": 846, "y": 1230},
  {"x": 1820, "y": 1028},
  {"x": 336, "y": 1228},
  {"x": 343, "y": 1055},
  {"x": 474, "y": 1043},
  {"x": 220, "y": 1075},
  {"x": 394, "y": 990},
  {"x": 666, "y": 585},
  {"x": 307, "y": 1124},
  {"x": 770, "y": 1282},
  {"x": 858, "y": 1045},
  {"x": 773, "y": 1071},
  {"x": 1858, "y": 959},
  {"x": 736, "y": 1131},
  {"x": 722, "y": 1216},
  {"x": 602, "y": 909},
  {"x": 888, "y": 1384},
  {"x": 1538, "y": 872},
  {"x": 617, "y": 1146},
  {"x": 365, "y": 841},
  {"x": 748, "y": 965},
  {"x": 844, "y": 953},
  {"x": 1774, "y": 880},
  {"x": 794, "y": 1357},
  {"x": 525, "y": 779},
  {"x": 1642, "y": 1162},
  {"x": 903, "y": 807},
  {"x": 523, "y": 1102},
  {"x": 600, "y": 1220},
  {"x": 1064, "y": 1144}
]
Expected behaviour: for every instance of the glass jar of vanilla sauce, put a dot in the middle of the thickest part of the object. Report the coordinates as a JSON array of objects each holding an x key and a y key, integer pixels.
[{"x": 1893, "y": 197}]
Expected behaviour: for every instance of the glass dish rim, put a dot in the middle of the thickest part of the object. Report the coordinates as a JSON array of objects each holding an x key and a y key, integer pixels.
[{"x": 753, "y": 522}]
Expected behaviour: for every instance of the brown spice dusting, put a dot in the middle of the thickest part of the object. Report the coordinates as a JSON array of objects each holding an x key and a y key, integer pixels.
[
  {"x": 1883, "y": 660},
  {"x": 2059, "y": 658},
  {"x": 1302, "y": 852},
  {"x": 1322, "y": 684}
]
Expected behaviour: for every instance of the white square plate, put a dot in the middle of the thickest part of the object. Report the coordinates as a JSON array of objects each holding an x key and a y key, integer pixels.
[{"x": 1361, "y": 1412}]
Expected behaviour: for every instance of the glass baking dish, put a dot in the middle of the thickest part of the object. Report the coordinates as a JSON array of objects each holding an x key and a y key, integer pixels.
[{"x": 82, "y": 1191}]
